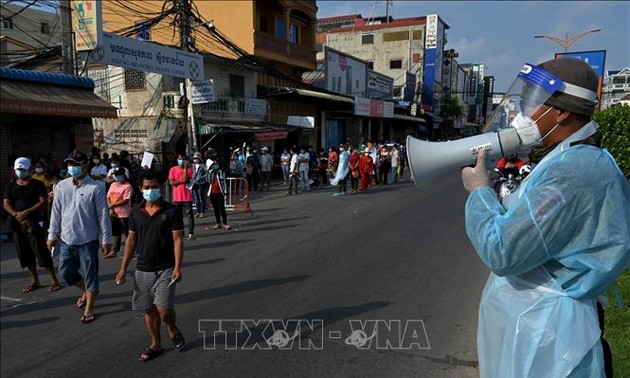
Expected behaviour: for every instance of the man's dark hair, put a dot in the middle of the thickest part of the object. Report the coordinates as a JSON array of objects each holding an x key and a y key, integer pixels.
[{"x": 148, "y": 174}]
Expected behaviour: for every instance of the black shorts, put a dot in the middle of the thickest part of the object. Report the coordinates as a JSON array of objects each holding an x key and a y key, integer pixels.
[{"x": 30, "y": 244}]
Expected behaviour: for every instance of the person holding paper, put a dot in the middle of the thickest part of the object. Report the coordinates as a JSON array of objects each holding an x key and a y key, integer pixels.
[
  {"x": 180, "y": 177},
  {"x": 156, "y": 234}
]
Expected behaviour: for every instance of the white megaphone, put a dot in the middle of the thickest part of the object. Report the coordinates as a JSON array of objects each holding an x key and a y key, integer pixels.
[{"x": 428, "y": 160}]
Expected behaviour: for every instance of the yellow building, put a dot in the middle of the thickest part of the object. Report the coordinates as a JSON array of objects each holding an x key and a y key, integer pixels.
[{"x": 279, "y": 33}]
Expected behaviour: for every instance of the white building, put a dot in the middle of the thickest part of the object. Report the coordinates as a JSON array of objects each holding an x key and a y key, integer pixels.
[
  {"x": 25, "y": 31},
  {"x": 616, "y": 88}
]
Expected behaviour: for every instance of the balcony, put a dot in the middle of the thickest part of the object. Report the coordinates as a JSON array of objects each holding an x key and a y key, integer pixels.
[
  {"x": 269, "y": 42},
  {"x": 234, "y": 110}
]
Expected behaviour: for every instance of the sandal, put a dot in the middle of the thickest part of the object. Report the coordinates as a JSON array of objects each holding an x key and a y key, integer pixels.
[
  {"x": 81, "y": 302},
  {"x": 85, "y": 319},
  {"x": 54, "y": 287},
  {"x": 148, "y": 354},
  {"x": 31, "y": 287},
  {"x": 178, "y": 340}
]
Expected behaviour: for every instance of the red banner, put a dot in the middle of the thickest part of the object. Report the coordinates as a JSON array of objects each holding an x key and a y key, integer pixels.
[{"x": 271, "y": 135}]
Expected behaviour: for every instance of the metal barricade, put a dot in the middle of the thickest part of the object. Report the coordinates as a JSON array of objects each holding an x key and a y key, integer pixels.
[{"x": 237, "y": 198}]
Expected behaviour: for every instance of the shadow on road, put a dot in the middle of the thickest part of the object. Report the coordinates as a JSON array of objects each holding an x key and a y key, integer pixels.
[
  {"x": 237, "y": 288},
  {"x": 27, "y": 323}
]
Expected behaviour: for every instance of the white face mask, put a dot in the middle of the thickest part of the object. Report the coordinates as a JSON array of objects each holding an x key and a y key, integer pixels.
[{"x": 528, "y": 132}]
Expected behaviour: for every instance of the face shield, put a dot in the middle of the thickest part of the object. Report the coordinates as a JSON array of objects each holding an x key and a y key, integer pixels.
[{"x": 532, "y": 88}]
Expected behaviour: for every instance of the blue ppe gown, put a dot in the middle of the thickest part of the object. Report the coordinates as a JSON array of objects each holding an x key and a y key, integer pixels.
[{"x": 554, "y": 246}]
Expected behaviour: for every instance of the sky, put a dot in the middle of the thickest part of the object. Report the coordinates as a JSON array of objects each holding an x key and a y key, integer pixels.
[{"x": 500, "y": 34}]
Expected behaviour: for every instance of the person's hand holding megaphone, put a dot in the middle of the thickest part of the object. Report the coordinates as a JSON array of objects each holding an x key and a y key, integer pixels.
[{"x": 477, "y": 176}]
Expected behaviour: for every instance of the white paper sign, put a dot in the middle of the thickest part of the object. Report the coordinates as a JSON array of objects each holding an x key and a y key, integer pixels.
[{"x": 147, "y": 160}]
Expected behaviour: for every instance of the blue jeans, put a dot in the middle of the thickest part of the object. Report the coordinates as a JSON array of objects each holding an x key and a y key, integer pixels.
[
  {"x": 304, "y": 181},
  {"x": 77, "y": 262},
  {"x": 394, "y": 175},
  {"x": 199, "y": 192},
  {"x": 285, "y": 172}
]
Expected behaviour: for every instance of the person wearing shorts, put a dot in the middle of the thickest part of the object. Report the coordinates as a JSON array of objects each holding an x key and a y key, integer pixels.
[
  {"x": 80, "y": 216},
  {"x": 24, "y": 200},
  {"x": 156, "y": 230}
]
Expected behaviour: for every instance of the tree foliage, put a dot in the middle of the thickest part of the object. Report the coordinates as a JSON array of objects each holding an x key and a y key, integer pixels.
[
  {"x": 450, "y": 110},
  {"x": 614, "y": 124}
]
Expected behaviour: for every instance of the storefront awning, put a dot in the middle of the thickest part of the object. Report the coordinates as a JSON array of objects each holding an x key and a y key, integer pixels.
[
  {"x": 409, "y": 118},
  {"x": 296, "y": 93},
  {"x": 50, "y": 100}
]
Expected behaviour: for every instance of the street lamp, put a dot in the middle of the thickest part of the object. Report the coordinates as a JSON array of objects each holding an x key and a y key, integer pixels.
[{"x": 567, "y": 42}]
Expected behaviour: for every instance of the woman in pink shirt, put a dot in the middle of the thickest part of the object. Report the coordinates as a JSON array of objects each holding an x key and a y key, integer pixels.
[{"x": 119, "y": 201}]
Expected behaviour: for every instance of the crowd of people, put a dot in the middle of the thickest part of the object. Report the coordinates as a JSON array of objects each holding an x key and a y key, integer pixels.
[{"x": 303, "y": 169}]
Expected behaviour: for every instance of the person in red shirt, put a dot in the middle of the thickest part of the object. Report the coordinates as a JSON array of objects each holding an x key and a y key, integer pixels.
[
  {"x": 179, "y": 178},
  {"x": 366, "y": 168},
  {"x": 354, "y": 170},
  {"x": 509, "y": 164},
  {"x": 333, "y": 161},
  {"x": 217, "y": 193}
]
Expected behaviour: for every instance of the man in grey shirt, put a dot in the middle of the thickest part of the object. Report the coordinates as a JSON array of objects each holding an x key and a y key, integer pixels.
[{"x": 79, "y": 216}]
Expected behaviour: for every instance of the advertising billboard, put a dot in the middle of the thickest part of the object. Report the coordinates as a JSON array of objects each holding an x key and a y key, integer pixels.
[
  {"x": 379, "y": 85},
  {"x": 596, "y": 59},
  {"x": 87, "y": 24},
  {"x": 345, "y": 74}
]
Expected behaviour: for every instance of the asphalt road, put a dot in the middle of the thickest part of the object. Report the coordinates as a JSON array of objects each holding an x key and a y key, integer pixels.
[{"x": 380, "y": 284}]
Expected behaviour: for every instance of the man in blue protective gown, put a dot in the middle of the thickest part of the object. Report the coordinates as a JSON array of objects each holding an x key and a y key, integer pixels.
[{"x": 557, "y": 242}]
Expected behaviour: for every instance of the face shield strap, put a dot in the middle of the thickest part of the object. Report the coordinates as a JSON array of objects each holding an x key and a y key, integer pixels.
[{"x": 577, "y": 91}]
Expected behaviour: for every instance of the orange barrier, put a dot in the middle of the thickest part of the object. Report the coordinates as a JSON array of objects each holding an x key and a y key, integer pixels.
[{"x": 237, "y": 198}]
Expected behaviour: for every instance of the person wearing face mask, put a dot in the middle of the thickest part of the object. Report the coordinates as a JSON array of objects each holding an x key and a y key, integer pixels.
[
  {"x": 80, "y": 216},
  {"x": 342, "y": 171},
  {"x": 40, "y": 174},
  {"x": 99, "y": 170},
  {"x": 116, "y": 163},
  {"x": 24, "y": 200},
  {"x": 119, "y": 200},
  {"x": 199, "y": 187},
  {"x": 156, "y": 237},
  {"x": 266, "y": 162},
  {"x": 556, "y": 243},
  {"x": 217, "y": 193},
  {"x": 179, "y": 178},
  {"x": 366, "y": 169}
]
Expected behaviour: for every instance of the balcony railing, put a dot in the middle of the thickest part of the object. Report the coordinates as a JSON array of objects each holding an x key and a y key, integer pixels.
[
  {"x": 272, "y": 43},
  {"x": 237, "y": 109}
]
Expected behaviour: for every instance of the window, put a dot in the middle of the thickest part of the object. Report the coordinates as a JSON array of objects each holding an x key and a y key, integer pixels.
[
  {"x": 367, "y": 39},
  {"x": 44, "y": 28},
  {"x": 237, "y": 86},
  {"x": 293, "y": 33},
  {"x": 370, "y": 65},
  {"x": 280, "y": 29},
  {"x": 398, "y": 91},
  {"x": 135, "y": 80},
  {"x": 264, "y": 24},
  {"x": 395, "y": 63},
  {"x": 396, "y": 36},
  {"x": 144, "y": 33},
  {"x": 7, "y": 23},
  {"x": 416, "y": 58},
  {"x": 417, "y": 34}
]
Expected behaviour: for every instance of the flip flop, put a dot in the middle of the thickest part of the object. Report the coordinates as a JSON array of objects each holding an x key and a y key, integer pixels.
[
  {"x": 31, "y": 287},
  {"x": 81, "y": 302},
  {"x": 54, "y": 287},
  {"x": 148, "y": 354},
  {"x": 85, "y": 319},
  {"x": 178, "y": 340}
]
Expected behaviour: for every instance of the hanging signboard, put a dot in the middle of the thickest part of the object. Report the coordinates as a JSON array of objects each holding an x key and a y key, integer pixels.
[
  {"x": 150, "y": 57},
  {"x": 87, "y": 24}
]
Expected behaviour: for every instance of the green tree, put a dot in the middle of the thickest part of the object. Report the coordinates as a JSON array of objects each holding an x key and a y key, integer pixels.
[
  {"x": 450, "y": 111},
  {"x": 614, "y": 124}
]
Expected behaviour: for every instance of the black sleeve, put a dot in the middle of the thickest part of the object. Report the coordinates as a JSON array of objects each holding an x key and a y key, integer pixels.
[
  {"x": 8, "y": 192},
  {"x": 132, "y": 219},
  {"x": 40, "y": 189}
]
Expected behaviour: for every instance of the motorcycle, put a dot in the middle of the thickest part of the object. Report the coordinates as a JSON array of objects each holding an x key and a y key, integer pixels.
[{"x": 509, "y": 179}]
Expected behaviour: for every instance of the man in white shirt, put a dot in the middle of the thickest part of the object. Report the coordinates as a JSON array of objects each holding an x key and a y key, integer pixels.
[
  {"x": 293, "y": 172},
  {"x": 303, "y": 168},
  {"x": 99, "y": 170},
  {"x": 266, "y": 162}
]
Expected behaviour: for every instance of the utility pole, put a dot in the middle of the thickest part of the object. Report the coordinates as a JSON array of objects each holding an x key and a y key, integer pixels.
[
  {"x": 67, "y": 45},
  {"x": 186, "y": 41}
]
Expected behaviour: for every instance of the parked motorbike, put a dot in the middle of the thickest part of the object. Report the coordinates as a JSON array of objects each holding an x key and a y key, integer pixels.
[{"x": 509, "y": 179}]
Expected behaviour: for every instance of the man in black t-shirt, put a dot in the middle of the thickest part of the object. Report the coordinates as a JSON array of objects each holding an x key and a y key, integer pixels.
[
  {"x": 24, "y": 200},
  {"x": 156, "y": 233}
]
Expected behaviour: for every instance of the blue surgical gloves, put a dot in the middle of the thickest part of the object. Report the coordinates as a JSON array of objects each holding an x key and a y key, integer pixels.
[{"x": 476, "y": 177}]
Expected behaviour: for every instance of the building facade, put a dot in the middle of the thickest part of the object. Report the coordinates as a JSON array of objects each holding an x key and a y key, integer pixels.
[{"x": 616, "y": 88}]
